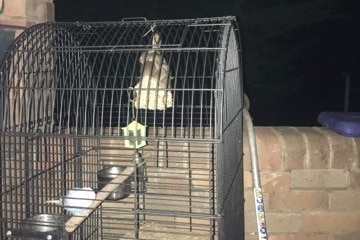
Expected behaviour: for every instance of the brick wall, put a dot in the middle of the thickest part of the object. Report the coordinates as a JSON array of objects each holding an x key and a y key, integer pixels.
[
  {"x": 26, "y": 13},
  {"x": 311, "y": 184}
]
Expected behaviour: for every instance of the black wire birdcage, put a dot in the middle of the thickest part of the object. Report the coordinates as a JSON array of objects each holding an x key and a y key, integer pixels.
[{"x": 158, "y": 103}]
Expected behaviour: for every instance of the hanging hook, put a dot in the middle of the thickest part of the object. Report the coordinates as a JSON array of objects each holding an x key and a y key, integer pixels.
[
  {"x": 152, "y": 29},
  {"x": 131, "y": 89}
]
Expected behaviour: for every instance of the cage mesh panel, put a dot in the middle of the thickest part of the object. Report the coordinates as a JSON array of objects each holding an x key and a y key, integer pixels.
[{"x": 67, "y": 90}]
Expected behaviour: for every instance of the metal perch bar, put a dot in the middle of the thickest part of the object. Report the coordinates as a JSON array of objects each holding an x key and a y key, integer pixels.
[{"x": 75, "y": 221}]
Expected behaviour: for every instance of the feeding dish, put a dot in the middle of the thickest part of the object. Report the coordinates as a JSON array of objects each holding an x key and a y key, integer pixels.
[
  {"x": 44, "y": 223},
  {"x": 109, "y": 173}
]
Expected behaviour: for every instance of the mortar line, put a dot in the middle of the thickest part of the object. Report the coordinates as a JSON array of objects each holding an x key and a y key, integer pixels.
[
  {"x": 330, "y": 143},
  {"x": 282, "y": 147},
  {"x": 306, "y": 160}
]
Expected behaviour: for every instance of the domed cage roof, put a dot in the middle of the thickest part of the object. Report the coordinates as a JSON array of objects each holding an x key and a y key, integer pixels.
[{"x": 83, "y": 78}]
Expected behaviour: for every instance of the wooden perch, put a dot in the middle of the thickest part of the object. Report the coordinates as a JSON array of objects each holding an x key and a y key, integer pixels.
[{"x": 75, "y": 221}]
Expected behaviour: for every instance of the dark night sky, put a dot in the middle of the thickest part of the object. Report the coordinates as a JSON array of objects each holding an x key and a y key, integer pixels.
[{"x": 295, "y": 51}]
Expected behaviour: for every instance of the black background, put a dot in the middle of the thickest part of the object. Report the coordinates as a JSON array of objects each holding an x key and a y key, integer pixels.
[{"x": 295, "y": 52}]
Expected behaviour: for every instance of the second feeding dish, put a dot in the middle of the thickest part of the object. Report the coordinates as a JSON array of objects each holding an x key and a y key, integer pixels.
[{"x": 109, "y": 173}]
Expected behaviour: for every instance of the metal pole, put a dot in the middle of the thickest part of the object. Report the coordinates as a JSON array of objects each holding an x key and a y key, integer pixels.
[
  {"x": 258, "y": 196},
  {"x": 347, "y": 91}
]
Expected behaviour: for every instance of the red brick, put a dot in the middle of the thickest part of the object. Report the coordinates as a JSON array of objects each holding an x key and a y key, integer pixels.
[
  {"x": 345, "y": 201},
  {"x": 320, "y": 178},
  {"x": 294, "y": 150},
  {"x": 355, "y": 179},
  {"x": 351, "y": 236},
  {"x": 357, "y": 146},
  {"x": 283, "y": 222},
  {"x": 331, "y": 222},
  {"x": 15, "y": 8},
  {"x": 301, "y": 236},
  {"x": 268, "y": 148},
  {"x": 251, "y": 236},
  {"x": 275, "y": 181},
  {"x": 276, "y": 223},
  {"x": 40, "y": 10},
  {"x": 20, "y": 22},
  {"x": 301, "y": 200},
  {"x": 343, "y": 149},
  {"x": 248, "y": 182},
  {"x": 249, "y": 201},
  {"x": 318, "y": 149},
  {"x": 250, "y": 222}
]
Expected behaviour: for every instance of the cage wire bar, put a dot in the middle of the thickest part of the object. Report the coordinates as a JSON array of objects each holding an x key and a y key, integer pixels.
[{"x": 68, "y": 90}]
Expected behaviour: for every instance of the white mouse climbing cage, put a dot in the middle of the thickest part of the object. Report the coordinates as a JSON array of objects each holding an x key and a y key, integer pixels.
[{"x": 146, "y": 113}]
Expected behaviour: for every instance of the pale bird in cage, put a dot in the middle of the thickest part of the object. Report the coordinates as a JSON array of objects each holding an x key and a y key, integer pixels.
[
  {"x": 76, "y": 200},
  {"x": 151, "y": 92}
]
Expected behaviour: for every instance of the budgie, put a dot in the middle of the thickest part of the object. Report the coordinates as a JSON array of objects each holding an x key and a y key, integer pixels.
[
  {"x": 151, "y": 92},
  {"x": 76, "y": 200}
]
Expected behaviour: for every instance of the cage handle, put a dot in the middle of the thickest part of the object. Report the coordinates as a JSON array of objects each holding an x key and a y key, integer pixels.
[
  {"x": 131, "y": 19},
  {"x": 75, "y": 221}
]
